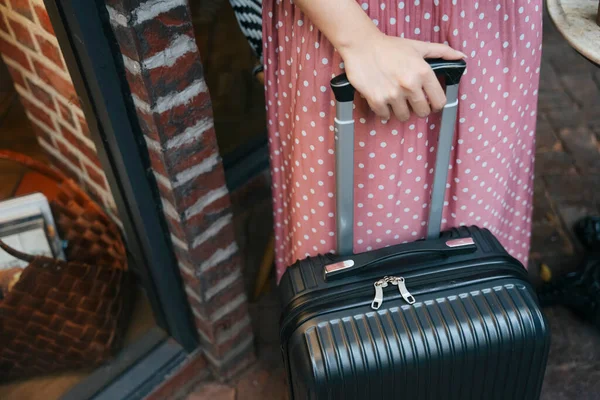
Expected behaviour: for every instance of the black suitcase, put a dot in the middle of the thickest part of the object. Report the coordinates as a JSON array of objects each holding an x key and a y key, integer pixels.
[{"x": 449, "y": 317}]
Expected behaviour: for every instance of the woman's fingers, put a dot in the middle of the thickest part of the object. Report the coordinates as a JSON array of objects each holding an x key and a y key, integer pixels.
[
  {"x": 380, "y": 107},
  {"x": 434, "y": 92},
  {"x": 400, "y": 108},
  {"x": 438, "y": 50},
  {"x": 418, "y": 103}
]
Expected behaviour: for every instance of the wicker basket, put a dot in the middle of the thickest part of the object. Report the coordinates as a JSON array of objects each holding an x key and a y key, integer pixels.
[{"x": 65, "y": 315}]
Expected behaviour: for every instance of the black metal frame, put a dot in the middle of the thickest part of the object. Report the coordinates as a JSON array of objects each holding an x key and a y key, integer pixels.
[{"x": 96, "y": 68}]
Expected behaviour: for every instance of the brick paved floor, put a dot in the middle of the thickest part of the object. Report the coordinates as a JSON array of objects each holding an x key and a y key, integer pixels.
[{"x": 567, "y": 178}]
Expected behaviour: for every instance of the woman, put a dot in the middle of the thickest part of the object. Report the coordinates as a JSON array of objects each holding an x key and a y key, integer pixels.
[{"x": 381, "y": 45}]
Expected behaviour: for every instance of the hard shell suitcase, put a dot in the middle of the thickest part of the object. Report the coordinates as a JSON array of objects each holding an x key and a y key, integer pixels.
[{"x": 449, "y": 317}]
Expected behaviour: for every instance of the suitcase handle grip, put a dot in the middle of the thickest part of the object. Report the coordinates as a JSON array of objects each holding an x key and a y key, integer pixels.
[
  {"x": 343, "y": 91},
  {"x": 451, "y": 70},
  {"x": 362, "y": 262}
]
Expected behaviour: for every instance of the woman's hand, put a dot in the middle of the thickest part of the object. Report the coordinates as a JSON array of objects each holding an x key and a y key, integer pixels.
[
  {"x": 389, "y": 72},
  {"x": 393, "y": 76}
]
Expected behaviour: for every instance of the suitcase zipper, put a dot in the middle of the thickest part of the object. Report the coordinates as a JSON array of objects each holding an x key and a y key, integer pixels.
[
  {"x": 304, "y": 311},
  {"x": 394, "y": 280}
]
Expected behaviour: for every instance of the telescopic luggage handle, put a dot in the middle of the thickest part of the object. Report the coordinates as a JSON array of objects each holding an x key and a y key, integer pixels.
[{"x": 452, "y": 71}]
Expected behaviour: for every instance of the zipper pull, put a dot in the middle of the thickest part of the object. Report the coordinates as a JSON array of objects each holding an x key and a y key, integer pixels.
[
  {"x": 378, "y": 300},
  {"x": 404, "y": 291}
]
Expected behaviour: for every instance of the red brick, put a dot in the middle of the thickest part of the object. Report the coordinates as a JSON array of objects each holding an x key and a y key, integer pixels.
[
  {"x": 14, "y": 53},
  {"x": 84, "y": 148},
  {"x": 212, "y": 276},
  {"x": 222, "y": 239},
  {"x": 41, "y": 95},
  {"x": 216, "y": 207},
  {"x": 3, "y": 26},
  {"x": 22, "y": 34},
  {"x": 175, "y": 228},
  {"x": 50, "y": 50},
  {"x": 42, "y": 134},
  {"x": 164, "y": 80},
  {"x": 51, "y": 78},
  {"x": 192, "y": 153},
  {"x": 189, "y": 192},
  {"x": 148, "y": 124},
  {"x": 223, "y": 349},
  {"x": 22, "y": 7},
  {"x": 67, "y": 153},
  {"x": 60, "y": 164},
  {"x": 205, "y": 327},
  {"x": 43, "y": 18},
  {"x": 154, "y": 35},
  {"x": 221, "y": 299},
  {"x": 83, "y": 126},
  {"x": 97, "y": 195},
  {"x": 177, "y": 119},
  {"x": 157, "y": 163},
  {"x": 66, "y": 114},
  {"x": 167, "y": 194},
  {"x": 17, "y": 76},
  {"x": 191, "y": 372},
  {"x": 137, "y": 86},
  {"x": 38, "y": 113},
  {"x": 94, "y": 175}
]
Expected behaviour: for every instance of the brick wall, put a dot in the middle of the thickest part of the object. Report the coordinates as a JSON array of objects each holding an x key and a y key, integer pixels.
[
  {"x": 30, "y": 50},
  {"x": 163, "y": 67}
]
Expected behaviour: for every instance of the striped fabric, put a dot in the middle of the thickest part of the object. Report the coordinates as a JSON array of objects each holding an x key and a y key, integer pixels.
[{"x": 249, "y": 16}]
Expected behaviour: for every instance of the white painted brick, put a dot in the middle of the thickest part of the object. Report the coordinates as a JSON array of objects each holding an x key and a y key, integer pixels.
[
  {"x": 186, "y": 269},
  {"x": 191, "y": 134},
  {"x": 179, "y": 46},
  {"x": 116, "y": 18},
  {"x": 201, "y": 168},
  {"x": 132, "y": 65},
  {"x": 229, "y": 307},
  {"x": 219, "y": 256},
  {"x": 233, "y": 330},
  {"x": 170, "y": 209},
  {"x": 152, "y": 144},
  {"x": 222, "y": 284},
  {"x": 212, "y": 230},
  {"x": 205, "y": 201},
  {"x": 163, "y": 180},
  {"x": 183, "y": 97},
  {"x": 241, "y": 347},
  {"x": 153, "y": 8},
  {"x": 192, "y": 293},
  {"x": 179, "y": 243}
]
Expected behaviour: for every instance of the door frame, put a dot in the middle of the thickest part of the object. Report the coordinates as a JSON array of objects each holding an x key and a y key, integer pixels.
[{"x": 96, "y": 68}]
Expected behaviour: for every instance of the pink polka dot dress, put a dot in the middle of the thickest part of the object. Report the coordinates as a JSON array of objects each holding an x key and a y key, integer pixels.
[{"x": 490, "y": 183}]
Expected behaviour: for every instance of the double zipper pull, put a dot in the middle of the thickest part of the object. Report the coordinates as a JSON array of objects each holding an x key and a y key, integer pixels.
[
  {"x": 382, "y": 283},
  {"x": 404, "y": 292}
]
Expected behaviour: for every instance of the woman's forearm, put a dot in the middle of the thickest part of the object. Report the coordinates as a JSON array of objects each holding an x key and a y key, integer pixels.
[
  {"x": 389, "y": 72},
  {"x": 343, "y": 22}
]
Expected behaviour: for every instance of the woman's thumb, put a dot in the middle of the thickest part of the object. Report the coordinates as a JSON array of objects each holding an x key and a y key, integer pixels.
[{"x": 438, "y": 50}]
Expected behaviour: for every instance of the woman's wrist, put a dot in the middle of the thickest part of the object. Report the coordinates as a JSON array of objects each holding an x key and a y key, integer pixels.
[
  {"x": 345, "y": 24},
  {"x": 360, "y": 40}
]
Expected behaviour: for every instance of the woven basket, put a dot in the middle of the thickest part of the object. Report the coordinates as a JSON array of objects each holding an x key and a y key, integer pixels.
[{"x": 66, "y": 315}]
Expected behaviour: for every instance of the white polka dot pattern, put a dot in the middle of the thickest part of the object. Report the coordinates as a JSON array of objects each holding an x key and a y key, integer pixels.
[{"x": 491, "y": 170}]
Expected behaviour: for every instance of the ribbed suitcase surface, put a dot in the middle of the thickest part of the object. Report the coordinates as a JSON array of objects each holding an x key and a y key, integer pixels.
[
  {"x": 483, "y": 339},
  {"x": 451, "y": 317}
]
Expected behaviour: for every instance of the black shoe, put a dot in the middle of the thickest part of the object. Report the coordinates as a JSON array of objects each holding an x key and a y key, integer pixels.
[{"x": 587, "y": 231}]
